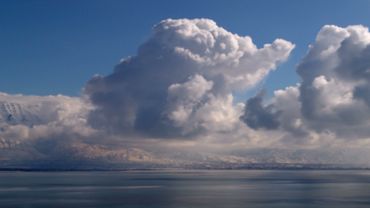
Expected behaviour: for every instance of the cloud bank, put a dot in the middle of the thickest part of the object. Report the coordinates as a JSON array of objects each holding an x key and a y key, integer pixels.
[{"x": 174, "y": 102}]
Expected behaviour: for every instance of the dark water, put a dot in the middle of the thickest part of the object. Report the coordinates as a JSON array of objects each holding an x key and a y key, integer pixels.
[{"x": 189, "y": 189}]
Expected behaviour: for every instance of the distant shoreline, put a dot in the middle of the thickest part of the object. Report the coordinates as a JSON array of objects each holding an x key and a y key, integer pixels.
[{"x": 175, "y": 169}]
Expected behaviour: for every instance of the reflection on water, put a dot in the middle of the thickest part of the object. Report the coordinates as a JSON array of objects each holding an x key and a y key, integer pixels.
[{"x": 186, "y": 189}]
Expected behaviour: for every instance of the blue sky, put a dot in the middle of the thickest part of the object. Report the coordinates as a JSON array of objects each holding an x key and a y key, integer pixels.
[{"x": 54, "y": 47}]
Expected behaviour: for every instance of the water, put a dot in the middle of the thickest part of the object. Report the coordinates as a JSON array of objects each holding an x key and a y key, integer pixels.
[{"x": 186, "y": 189}]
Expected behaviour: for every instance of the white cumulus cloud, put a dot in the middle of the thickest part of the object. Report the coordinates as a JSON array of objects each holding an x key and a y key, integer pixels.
[
  {"x": 182, "y": 80},
  {"x": 332, "y": 101}
]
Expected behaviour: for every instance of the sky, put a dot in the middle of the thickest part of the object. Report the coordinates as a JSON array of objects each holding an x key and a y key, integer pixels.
[
  {"x": 51, "y": 47},
  {"x": 164, "y": 83}
]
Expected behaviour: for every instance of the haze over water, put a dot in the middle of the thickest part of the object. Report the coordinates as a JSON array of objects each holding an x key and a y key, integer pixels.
[{"x": 175, "y": 189}]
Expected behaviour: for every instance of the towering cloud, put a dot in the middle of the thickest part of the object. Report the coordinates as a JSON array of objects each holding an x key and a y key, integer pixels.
[
  {"x": 335, "y": 83},
  {"x": 333, "y": 97},
  {"x": 182, "y": 80}
]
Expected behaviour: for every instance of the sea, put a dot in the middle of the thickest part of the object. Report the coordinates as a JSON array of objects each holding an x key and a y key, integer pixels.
[{"x": 186, "y": 189}]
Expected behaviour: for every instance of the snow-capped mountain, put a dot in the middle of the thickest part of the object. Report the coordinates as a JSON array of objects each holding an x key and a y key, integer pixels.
[
  {"x": 15, "y": 113},
  {"x": 36, "y": 110}
]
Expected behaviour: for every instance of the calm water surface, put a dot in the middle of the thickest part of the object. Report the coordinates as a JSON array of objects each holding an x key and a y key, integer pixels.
[{"x": 186, "y": 189}]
